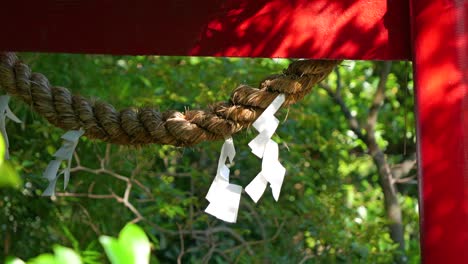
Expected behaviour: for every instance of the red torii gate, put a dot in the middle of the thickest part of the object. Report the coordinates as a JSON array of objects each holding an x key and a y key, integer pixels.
[{"x": 431, "y": 33}]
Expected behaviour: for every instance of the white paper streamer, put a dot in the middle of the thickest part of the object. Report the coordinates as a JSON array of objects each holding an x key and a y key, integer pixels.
[
  {"x": 224, "y": 200},
  {"x": 223, "y": 196},
  {"x": 51, "y": 173},
  {"x": 263, "y": 147},
  {"x": 4, "y": 113}
]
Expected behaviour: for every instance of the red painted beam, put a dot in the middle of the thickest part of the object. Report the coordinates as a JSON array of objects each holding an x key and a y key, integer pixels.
[
  {"x": 440, "y": 32},
  {"x": 353, "y": 29}
]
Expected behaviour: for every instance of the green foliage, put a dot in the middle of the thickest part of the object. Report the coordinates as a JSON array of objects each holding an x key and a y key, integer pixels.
[
  {"x": 132, "y": 247},
  {"x": 331, "y": 205},
  {"x": 61, "y": 255},
  {"x": 8, "y": 176}
]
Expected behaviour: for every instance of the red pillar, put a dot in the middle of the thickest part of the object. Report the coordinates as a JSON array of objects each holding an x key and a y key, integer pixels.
[{"x": 440, "y": 36}]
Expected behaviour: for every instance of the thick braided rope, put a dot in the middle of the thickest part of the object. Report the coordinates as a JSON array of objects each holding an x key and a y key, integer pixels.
[{"x": 139, "y": 126}]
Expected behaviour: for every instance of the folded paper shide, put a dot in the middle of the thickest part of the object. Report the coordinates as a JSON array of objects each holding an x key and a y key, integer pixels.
[
  {"x": 223, "y": 196},
  {"x": 70, "y": 141},
  {"x": 265, "y": 148},
  {"x": 4, "y": 113}
]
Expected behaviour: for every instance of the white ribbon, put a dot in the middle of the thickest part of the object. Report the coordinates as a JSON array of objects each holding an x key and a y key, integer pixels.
[
  {"x": 263, "y": 147},
  {"x": 70, "y": 141},
  {"x": 223, "y": 196},
  {"x": 4, "y": 113}
]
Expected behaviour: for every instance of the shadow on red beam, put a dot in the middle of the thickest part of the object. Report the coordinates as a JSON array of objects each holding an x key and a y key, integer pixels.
[
  {"x": 441, "y": 68},
  {"x": 353, "y": 29}
]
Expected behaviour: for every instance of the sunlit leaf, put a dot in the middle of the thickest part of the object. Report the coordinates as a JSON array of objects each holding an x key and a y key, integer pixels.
[
  {"x": 44, "y": 259},
  {"x": 13, "y": 260},
  {"x": 133, "y": 238},
  {"x": 8, "y": 176},
  {"x": 115, "y": 252},
  {"x": 132, "y": 246},
  {"x": 66, "y": 255}
]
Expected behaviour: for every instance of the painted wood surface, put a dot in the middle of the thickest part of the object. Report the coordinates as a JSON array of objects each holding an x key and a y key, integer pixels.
[
  {"x": 441, "y": 78},
  {"x": 353, "y": 29}
]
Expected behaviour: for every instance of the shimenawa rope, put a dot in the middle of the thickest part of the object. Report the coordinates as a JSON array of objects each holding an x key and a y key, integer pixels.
[{"x": 139, "y": 126}]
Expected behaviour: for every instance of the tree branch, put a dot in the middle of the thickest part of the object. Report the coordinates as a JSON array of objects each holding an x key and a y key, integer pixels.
[
  {"x": 379, "y": 98},
  {"x": 206, "y": 236},
  {"x": 352, "y": 121},
  {"x": 402, "y": 169},
  {"x": 386, "y": 179},
  {"x": 408, "y": 180}
]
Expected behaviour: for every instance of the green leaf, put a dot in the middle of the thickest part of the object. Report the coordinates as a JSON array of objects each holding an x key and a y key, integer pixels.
[
  {"x": 62, "y": 255},
  {"x": 132, "y": 247},
  {"x": 2, "y": 150},
  {"x": 132, "y": 237},
  {"x": 13, "y": 260},
  {"x": 66, "y": 255},
  {"x": 114, "y": 251},
  {"x": 8, "y": 176},
  {"x": 43, "y": 259}
]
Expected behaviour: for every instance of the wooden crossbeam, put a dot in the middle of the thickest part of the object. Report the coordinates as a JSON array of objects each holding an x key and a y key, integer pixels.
[{"x": 353, "y": 29}]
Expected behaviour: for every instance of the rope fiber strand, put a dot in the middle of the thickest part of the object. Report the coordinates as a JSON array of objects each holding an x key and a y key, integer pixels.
[{"x": 140, "y": 126}]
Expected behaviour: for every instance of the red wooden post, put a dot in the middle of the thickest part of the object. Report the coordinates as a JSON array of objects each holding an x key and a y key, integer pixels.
[{"x": 441, "y": 69}]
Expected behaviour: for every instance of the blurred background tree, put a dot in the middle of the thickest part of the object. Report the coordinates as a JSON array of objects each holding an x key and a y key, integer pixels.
[{"x": 348, "y": 147}]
